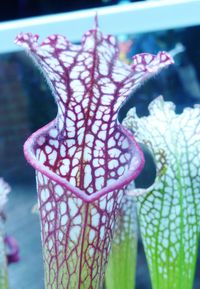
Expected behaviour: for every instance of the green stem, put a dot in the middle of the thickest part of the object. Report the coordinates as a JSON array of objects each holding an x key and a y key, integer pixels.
[
  {"x": 3, "y": 264},
  {"x": 121, "y": 268},
  {"x": 170, "y": 244}
]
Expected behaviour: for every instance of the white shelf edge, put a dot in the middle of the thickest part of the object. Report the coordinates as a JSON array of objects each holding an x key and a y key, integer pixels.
[{"x": 147, "y": 16}]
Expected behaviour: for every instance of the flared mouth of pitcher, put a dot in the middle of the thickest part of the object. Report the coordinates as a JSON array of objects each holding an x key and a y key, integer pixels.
[{"x": 135, "y": 165}]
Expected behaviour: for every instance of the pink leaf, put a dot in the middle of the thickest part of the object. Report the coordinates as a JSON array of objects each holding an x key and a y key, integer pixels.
[{"x": 84, "y": 158}]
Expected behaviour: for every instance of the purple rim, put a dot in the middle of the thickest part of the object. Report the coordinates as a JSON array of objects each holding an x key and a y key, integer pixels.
[{"x": 122, "y": 181}]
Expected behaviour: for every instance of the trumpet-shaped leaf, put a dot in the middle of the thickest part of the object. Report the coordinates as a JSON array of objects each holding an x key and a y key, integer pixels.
[
  {"x": 84, "y": 158},
  {"x": 170, "y": 212}
]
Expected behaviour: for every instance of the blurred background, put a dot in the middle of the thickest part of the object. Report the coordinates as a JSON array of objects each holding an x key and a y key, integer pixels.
[
  {"x": 15, "y": 9},
  {"x": 26, "y": 104}
]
